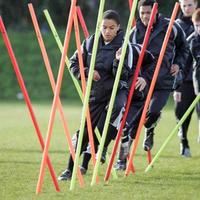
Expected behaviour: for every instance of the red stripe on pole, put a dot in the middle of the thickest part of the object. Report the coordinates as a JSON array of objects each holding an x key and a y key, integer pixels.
[
  {"x": 132, "y": 167},
  {"x": 26, "y": 98},
  {"x": 56, "y": 95},
  {"x": 53, "y": 85},
  {"x": 153, "y": 82},
  {"x": 130, "y": 3},
  {"x": 132, "y": 89},
  {"x": 149, "y": 158},
  {"x": 82, "y": 22},
  {"x": 83, "y": 83}
]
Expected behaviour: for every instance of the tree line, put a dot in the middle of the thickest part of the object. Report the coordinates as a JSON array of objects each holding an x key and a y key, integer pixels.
[{"x": 15, "y": 13}]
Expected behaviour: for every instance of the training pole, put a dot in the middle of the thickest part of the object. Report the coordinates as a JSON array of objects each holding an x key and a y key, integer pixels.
[
  {"x": 114, "y": 92},
  {"x": 130, "y": 3},
  {"x": 83, "y": 83},
  {"x": 59, "y": 43},
  {"x": 56, "y": 95},
  {"x": 26, "y": 98},
  {"x": 153, "y": 82},
  {"x": 189, "y": 110},
  {"x": 132, "y": 89},
  {"x": 82, "y": 22},
  {"x": 56, "y": 36},
  {"x": 88, "y": 89},
  {"x": 53, "y": 85}
]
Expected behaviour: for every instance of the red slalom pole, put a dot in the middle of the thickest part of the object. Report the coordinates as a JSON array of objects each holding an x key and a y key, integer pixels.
[
  {"x": 130, "y": 3},
  {"x": 82, "y": 22},
  {"x": 153, "y": 82},
  {"x": 132, "y": 89},
  {"x": 26, "y": 98},
  {"x": 53, "y": 85},
  {"x": 56, "y": 95},
  {"x": 149, "y": 157},
  {"x": 132, "y": 167},
  {"x": 83, "y": 83}
]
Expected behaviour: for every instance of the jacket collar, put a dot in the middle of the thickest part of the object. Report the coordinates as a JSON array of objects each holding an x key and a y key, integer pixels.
[
  {"x": 158, "y": 26},
  {"x": 117, "y": 41}
]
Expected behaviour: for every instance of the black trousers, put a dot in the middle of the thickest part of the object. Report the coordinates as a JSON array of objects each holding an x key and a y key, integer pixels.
[
  {"x": 187, "y": 97},
  {"x": 98, "y": 111},
  {"x": 157, "y": 103},
  {"x": 133, "y": 119}
]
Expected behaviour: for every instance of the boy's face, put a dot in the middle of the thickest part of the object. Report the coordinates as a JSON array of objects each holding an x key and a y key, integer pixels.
[
  {"x": 109, "y": 29},
  {"x": 197, "y": 27},
  {"x": 188, "y": 7},
  {"x": 145, "y": 14}
]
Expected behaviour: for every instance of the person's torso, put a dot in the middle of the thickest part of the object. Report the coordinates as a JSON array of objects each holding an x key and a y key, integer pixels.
[
  {"x": 195, "y": 50},
  {"x": 101, "y": 89},
  {"x": 188, "y": 28},
  {"x": 165, "y": 79}
]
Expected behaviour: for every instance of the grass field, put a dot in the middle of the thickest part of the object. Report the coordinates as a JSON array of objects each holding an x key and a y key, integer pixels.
[{"x": 172, "y": 177}]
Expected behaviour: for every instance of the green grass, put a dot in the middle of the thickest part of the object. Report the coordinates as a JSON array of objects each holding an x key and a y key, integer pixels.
[{"x": 172, "y": 176}]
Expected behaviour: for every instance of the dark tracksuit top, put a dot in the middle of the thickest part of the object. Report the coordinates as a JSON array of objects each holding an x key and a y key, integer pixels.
[
  {"x": 176, "y": 53},
  {"x": 194, "y": 43},
  {"x": 188, "y": 28},
  {"x": 101, "y": 90}
]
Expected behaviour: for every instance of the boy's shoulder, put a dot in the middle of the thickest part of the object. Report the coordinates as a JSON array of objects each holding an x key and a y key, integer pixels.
[{"x": 88, "y": 43}]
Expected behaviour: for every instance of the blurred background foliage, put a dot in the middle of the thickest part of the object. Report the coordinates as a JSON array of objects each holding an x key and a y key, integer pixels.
[
  {"x": 18, "y": 22},
  {"x": 16, "y": 15}
]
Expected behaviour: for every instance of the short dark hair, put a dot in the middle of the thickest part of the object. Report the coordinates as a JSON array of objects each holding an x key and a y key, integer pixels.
[
  {"x": 196, "y": 15},
  {"x": 112, "y": 14},
  {"x": 146, "y": 3}
]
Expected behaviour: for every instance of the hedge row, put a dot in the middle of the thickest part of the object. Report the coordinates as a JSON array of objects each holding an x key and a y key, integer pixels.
[{"x": 32, "y": 67}]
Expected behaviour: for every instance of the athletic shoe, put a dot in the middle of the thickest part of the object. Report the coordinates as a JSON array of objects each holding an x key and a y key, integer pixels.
[
  {"x": 148, "y": 140},
  {"x": 65, "y": 176},
  {"x": 120, "y": 165},
  {"x": 185, "y": 151},
  {"x": 83, "y": 170}
]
